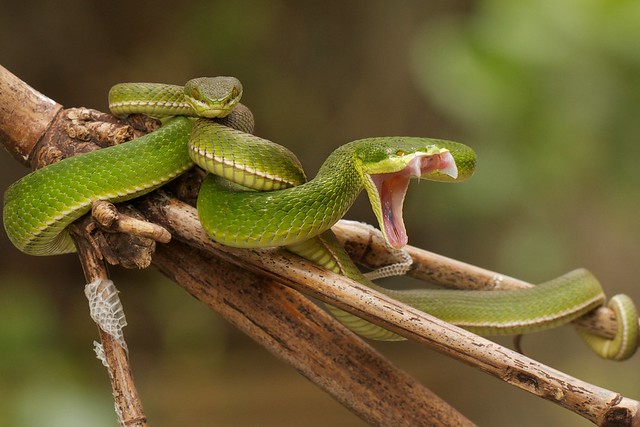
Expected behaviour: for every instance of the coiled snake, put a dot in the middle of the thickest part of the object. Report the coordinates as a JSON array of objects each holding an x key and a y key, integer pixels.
[{"x": 287, "y": 210}]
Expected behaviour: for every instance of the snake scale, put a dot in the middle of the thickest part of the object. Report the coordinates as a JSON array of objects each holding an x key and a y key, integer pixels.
[{"x": 257, "y": 195}]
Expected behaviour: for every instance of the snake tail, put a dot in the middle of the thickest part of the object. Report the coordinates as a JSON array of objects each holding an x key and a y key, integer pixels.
[{"x": 623, "y": 345}]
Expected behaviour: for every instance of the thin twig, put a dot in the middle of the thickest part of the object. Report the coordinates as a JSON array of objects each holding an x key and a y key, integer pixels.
[
  {"x": 110, "y": 219},
  {"x": 127, "y": 401}
]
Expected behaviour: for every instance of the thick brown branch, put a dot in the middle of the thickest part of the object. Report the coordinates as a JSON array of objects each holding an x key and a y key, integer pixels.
[
  {"x": 297, "y": 331},
  {"x": 20, "y": 104}
]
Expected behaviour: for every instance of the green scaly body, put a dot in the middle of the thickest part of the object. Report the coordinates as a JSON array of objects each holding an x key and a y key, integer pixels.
[
  {"x": 39, "y": 207},
  {"x": 297, "y": 214}
]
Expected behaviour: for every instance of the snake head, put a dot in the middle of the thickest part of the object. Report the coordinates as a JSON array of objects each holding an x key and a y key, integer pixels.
[
  {"x": 387, "y": 178},
  {"x": 213, "y": 96}
]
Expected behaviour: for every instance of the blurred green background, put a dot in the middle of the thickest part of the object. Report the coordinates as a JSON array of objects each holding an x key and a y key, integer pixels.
[{"x": 546, "y": 91}]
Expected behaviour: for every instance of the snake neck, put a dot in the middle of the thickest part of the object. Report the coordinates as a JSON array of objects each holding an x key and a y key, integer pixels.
[
  {"x": 152, "y": 99},
  {"x": 293, "y": 215}
]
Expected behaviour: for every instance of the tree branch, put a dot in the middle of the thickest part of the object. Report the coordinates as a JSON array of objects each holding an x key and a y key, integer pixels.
[
  {"x": 596, "y": 404},
  {"x": 127, "y": 401},
  {"x": 17, "y": 102},
  {"x": 287, "y": 324},
  {"x": 353, "y": 372},
  {"x": 298, "y": 332}
]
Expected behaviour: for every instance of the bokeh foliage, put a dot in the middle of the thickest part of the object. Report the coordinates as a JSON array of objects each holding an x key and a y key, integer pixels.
[{"x": 546, "y": 91}]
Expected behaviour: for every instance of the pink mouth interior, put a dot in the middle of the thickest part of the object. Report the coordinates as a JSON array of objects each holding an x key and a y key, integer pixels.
[{"x": 392, "y": 188}]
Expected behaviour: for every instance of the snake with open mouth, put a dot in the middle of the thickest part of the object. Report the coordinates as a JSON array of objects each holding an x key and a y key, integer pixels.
[{"x": 257, "y": 195}]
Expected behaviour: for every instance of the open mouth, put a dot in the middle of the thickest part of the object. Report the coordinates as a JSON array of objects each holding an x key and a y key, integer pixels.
[{"x": 392, "y": 188}]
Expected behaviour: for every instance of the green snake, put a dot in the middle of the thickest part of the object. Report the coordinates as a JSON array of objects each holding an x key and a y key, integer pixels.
[{"x": 257, "y": 195}]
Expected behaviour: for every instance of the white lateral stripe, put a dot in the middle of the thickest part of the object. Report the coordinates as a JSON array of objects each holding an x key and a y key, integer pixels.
[
  {"x": 236, "y": 166},
  {"x": 623, "y": 326},
  {"x": 166, "y": 104},
  {"x": 531, "y": 322}
]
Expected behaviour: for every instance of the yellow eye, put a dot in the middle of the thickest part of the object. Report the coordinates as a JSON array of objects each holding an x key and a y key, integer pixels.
[
  {"x": 400, "y": 153},
  {"x": 234, "y": 93},
  {"x": 195, "y": 93}
]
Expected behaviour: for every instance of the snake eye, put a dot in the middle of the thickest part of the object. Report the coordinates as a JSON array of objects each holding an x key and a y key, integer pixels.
[
  {"x": 234, "y": 93},
  {"x": 400, "y": 153},
  {"x": 195, "y": 93}
]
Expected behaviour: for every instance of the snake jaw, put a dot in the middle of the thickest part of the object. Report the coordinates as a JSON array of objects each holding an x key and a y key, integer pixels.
[
  {"x": 387, "y": 190},
  {"x": 213, "y": 110}
]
